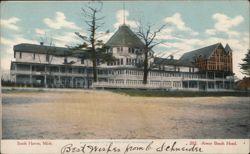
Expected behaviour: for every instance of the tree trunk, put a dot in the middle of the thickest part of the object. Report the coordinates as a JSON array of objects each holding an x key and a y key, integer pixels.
[
  {"x": 145, "y": 77},
  {"x": 93, "y": 28},
  {"x": 145, "y": 71}
]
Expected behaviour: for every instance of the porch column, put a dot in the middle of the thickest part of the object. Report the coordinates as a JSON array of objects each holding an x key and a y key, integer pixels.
[
  {"x": 15, "y": 73},
  {"x": 223, "y": 82},
  {"x": 72, "y": 81},
  {"x": 206, "y": 81},
  {"x": 125, "y": 75},
  {"x": 30, "y": 74},
  {"x": 214, "y": 81},
  {"x": 45, "y": 77}
]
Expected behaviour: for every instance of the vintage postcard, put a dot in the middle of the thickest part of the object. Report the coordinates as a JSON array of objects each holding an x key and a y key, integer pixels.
[{"x": 125, "y": 77}]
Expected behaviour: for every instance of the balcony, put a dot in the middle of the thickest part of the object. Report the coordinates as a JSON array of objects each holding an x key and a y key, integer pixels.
[{"x": 130, "y": 86}]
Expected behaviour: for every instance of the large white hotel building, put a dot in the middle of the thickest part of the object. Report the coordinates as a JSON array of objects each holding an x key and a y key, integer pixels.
[{"x": 208, "y": 68}]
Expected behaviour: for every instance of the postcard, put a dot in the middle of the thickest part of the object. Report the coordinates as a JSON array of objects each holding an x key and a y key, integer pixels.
[{"x": 125, "y": 77}]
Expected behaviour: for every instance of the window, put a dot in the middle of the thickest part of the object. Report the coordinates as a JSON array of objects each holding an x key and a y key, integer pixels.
[
  {"x": 82, "y": 61},
  {"x": 121, "y": 61},
  {"x": 62, "y": 69},
  {"x": 121, "y": 48},
  {"x": 20, "y": 55},
  {"x": 65, "y": 61},
  {"x": 34, "y": 56},
  {"x": 133, "y": 61},
  {"x": 14, "y": 54},
  {"x": 118, "y": 49},
  {"x": 47, "y": 58}
]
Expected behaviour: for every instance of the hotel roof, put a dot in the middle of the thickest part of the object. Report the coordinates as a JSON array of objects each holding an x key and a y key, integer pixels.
[
  {"x": 44, "y": 49},
  {"x": 124, "y": 37},
  {"x": 188, "y": 58}
]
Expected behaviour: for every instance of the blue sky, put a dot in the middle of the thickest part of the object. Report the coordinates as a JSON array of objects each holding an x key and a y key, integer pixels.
[{"x": 190, "y": 24}]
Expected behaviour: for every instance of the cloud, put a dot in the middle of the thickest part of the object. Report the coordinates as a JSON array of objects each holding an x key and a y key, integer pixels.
[
  {"x": 67, "y": 38},
  {"x": 16, "y": 40},
  {"x": 10, "y": 23},
  {"x": 179, "y": 25},
  {"x": 60, "y": 22},
  {"x": 40, "y": 31},
  {"x": 7, "y": 53},
  {"x": 177, "y": 20},
  {"x": 210, "y": 31},
  {"x": 165, "y": 34},
  {"x": 223, "y": 23},
  {"x": 106, "y": 37},
  {"x": 5, "y": 41},
  {"x": 120, "y": 19}
]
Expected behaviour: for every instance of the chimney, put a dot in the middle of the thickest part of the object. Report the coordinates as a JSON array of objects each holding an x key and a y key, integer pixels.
[
  {"x": 171, "y": 57},
  {"x": 41, "y": 43}
]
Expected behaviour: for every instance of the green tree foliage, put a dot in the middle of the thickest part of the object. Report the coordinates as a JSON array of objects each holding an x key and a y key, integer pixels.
[
  {"x": 92, "y": 47},
  {"x": 245, "y": 66}
]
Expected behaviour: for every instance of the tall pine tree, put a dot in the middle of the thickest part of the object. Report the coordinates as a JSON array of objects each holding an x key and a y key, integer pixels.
[{"x": 245, "y": 66}]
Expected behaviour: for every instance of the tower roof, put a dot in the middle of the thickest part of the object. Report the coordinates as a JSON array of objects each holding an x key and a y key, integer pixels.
[
  {"x": 228, "y": 49},
  {"x": 124, "y": 36}
]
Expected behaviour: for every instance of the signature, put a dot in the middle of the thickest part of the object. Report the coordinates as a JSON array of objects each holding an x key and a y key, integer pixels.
[{"x": 110, "y": 148}]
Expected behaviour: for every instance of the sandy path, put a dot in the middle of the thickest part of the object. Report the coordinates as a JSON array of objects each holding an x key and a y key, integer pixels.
[{"x": 102, "y": 114}]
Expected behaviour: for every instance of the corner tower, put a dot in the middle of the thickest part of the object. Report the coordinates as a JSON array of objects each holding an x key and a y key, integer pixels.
[{"x": 125, "y": 46}]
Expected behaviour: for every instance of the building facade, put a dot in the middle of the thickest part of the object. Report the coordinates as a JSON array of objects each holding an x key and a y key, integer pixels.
[{"x": 208, "y": 68}]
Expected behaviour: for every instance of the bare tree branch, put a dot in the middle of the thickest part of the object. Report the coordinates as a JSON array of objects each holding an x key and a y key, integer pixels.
[{"x": 149, "y": 39}]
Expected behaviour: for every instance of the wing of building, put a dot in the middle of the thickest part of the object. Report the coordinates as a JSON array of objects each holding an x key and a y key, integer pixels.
[{"x": 208, "y": 68}]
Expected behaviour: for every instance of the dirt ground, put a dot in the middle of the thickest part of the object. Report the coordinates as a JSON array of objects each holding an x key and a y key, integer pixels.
[{"x": 107, "y": 115}]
